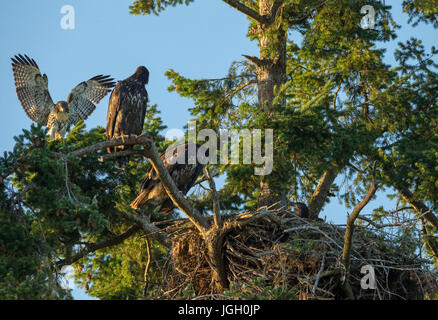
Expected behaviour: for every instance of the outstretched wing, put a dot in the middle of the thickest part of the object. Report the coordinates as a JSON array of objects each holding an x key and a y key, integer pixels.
[
  {"x": 32, "y": 88},
  {"x": 83, "y": 98}
]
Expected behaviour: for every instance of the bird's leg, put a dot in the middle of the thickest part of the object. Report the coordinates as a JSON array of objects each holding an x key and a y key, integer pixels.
[{"x": 132, "y": 135}]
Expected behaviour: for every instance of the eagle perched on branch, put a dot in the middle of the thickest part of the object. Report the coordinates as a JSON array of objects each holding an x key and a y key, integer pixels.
[
  {"x": 34, "y": 96},
  {"x": 181, "y": 162},
  {"x": 127, "y": 110}
]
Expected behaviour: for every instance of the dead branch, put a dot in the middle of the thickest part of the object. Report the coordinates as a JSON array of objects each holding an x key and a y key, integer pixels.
[
  {"x": 143, "y": 140},
  {"x": 125, "y": 153},
  {"x": 146, "y": 269},
  {"x": 169, "y": 185},
  {"x": 216, "y": 204},
  {"x": 236, "y": 4},
  {"x": 174, "y": 194},
  {"x": 350, "y": 229}
]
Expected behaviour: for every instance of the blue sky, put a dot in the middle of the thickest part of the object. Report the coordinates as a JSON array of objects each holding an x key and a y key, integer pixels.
[{"x": 200, "y": 41}]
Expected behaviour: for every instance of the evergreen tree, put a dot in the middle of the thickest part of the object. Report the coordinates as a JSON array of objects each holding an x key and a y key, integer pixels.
[{"x": 336, "y": 108}]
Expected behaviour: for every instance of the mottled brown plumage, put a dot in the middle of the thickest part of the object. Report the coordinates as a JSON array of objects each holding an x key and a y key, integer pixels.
[
  {"x": 34, "y": 96},
  {"x": 184, "y": 169},
  {"x": 127, "y": 109}
]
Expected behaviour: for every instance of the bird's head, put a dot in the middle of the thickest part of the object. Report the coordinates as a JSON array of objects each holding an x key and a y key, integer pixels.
[
  {"x": 300, "y": 209},
  {"x": 142, "y": 74},
  {"x": 62, "y": 106}
]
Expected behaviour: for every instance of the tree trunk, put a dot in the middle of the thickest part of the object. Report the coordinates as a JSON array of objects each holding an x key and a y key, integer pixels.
[
  {"x": 321, "y": 192},
  {"x": 214, "y": 239},
  {"x": 271, "y": 73}
]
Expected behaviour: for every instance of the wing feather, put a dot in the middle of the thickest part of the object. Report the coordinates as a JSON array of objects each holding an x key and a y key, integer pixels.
[
  {"x": 83, "y": 98},
  {"x": 32, "y": 88}
]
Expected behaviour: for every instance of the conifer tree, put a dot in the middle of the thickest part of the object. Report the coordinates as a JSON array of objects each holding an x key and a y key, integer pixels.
[{"x": 336, "y": 108}]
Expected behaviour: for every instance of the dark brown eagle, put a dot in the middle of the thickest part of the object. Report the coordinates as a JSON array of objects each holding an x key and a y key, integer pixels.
[
  {"x": 127, "y": 110},
  {"x": 183, "y": 167},
  {"x": 300, "y": 209}
]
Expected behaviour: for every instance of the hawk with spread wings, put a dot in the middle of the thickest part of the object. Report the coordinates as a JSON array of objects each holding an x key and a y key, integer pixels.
[
  {"x": 127, "y": 110},
  {"x": 183, "y": 167},
  {"x": 33, "y": 93}
]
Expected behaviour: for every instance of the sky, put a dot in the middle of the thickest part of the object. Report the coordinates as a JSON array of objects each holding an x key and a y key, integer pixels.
[{"x": 199, "y": 41}]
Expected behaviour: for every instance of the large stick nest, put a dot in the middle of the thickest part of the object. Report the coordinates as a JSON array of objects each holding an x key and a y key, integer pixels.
[{"x": 277, "y": 255}]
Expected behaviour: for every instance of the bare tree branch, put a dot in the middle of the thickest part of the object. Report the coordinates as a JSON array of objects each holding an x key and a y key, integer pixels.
[
  {"x": 216, "y": 204},
  {"x": 175, "y": 195},
  {"x": 146, "y": 269},
  {"x": 246, "y": 10},
  {"x": 201, "y": 223},
  {"x": 346, "y": 254},
  {"x": 125, "y": 153},
  {"x": 144, "y": 140},
  {"x": 254, "y": 60}
]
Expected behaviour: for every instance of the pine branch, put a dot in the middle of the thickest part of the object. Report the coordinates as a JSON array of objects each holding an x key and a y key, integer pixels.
[{"x": 92, "y": 247}]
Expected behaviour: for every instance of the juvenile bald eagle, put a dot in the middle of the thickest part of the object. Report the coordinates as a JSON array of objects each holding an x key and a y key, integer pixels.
[
  {"x": 300, "y": 209},
  {"x": 127, "y": 110},
  {"x": 184, "y": 174},
  {"x": 33, "y": 93}
]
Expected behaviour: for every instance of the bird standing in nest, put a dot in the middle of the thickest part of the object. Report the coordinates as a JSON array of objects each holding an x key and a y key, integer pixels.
[{"x": 300, "y": 209}]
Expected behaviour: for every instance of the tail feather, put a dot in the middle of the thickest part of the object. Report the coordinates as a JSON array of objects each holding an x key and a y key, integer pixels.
[{"x": 139, "y": 201}]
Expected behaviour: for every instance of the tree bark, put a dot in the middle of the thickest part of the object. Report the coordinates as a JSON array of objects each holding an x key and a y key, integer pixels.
[
  {"x": 271, "y": 73},
  {"x": 348, "y": 236},
  {"x": 321, "y": 192},
  {"x": 214, "y": 239}
]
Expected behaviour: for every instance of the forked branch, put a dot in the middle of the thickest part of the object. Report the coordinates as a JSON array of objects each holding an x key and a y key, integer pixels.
[{"x": 346, "y": 254}]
